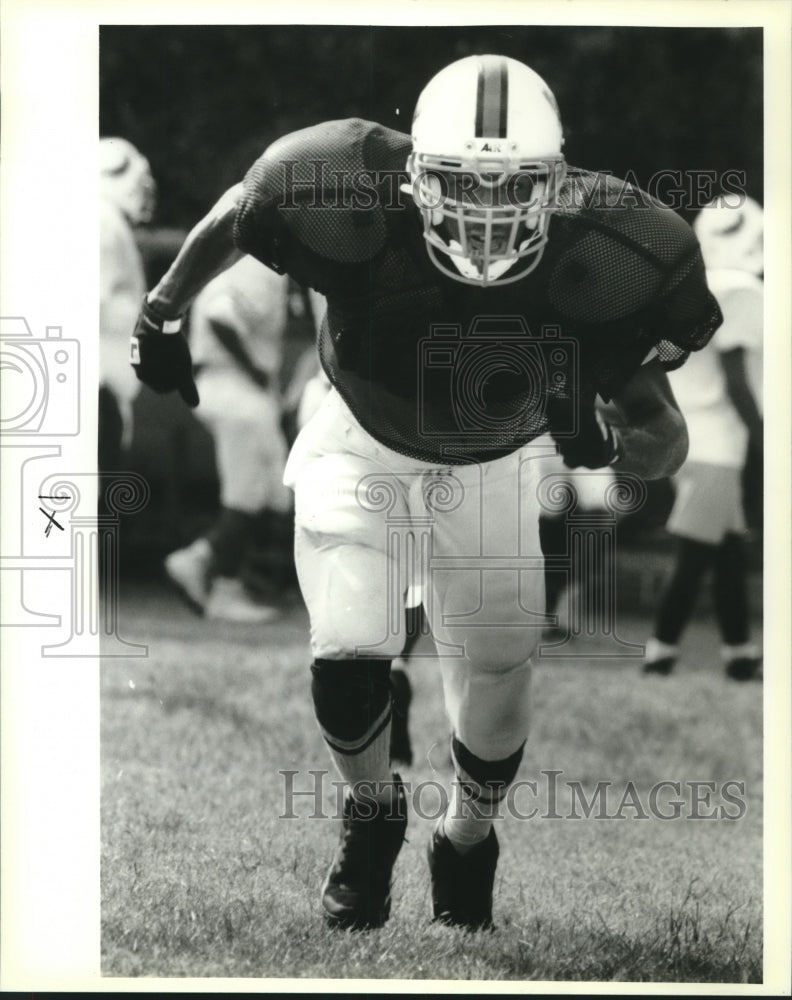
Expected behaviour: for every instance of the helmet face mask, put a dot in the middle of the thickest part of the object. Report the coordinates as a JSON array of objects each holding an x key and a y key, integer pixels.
[
  {"x": 485, "y": 220},
  {"x": 486, "y": 199}
]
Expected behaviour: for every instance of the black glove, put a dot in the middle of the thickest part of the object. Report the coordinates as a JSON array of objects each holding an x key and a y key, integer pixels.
[
  {"x": 162, "y": 359},
  {"x": 596, "y": 443}
]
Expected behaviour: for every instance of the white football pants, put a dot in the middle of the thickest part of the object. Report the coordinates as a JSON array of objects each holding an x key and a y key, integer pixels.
[
  {"x": 250, "y": 449},
  {"x": 370, "y": 523}
]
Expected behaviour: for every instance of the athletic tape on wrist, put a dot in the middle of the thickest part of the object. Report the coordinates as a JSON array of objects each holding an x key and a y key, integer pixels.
[
  {"x": 171, "y": 325},
  {"x": 166, "y": 325}
]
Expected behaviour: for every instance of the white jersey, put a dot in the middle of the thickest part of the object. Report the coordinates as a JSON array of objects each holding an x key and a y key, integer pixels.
[
  {"x": 252, "y": 300},
  {"x": 717, "y": 433},
  {"x": 741, "y": 298},
  {"x": 122, "y": 286}
]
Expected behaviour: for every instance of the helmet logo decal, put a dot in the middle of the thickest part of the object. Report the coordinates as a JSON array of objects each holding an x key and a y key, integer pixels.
[{"x": 492, "y": 99}]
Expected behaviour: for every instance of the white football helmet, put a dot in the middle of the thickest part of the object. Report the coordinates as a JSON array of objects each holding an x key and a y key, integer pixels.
[
  {"x": 126, "y": 180},
  {"x": 731, "y": 233},
  {"x": 486, "y": 168}
]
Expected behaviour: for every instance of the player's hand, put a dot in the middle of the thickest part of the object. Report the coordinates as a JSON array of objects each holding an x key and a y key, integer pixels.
[
  {"x": 162, "y": 359},
  {"x": 596, "y": 443}
]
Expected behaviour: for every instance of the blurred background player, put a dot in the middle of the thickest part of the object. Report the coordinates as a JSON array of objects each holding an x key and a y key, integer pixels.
[
  {"x": 127, "y": 200},
  {"x": 237, "y": 328},
  {"x": 719, "y": 392}
]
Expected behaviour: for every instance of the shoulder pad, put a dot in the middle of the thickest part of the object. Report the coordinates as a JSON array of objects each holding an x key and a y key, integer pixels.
[
  {"x": 322, "y": 183},
  {"x": 617, "y": 248}
]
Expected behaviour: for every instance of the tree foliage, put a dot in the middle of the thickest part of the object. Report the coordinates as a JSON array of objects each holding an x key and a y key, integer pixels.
[{"x": 203, "y": 101}]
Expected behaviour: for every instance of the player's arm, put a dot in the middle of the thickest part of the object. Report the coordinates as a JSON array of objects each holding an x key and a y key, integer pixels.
[
  {"x": 648, "y": 435},
  {"x": 208, "y": 250},
  {"x": 159, "y": 353},
  {"x": 652, "y": 434}
]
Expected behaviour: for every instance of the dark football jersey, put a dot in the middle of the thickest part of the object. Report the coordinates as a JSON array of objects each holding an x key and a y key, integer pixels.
[{"x": 445, "y": 371}]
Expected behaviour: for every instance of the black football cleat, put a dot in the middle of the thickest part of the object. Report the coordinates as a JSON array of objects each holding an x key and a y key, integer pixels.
[
  {"x": 661, "y": 666},
  {"x": 462, "y": 883},
  {"x": 356, "y": 894},
  {"x": 745, "y": 668},
  {"x": 401, "y": 696}
]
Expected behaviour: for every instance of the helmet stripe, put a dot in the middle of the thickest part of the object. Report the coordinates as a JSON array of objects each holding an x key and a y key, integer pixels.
[{"x": 492, "y": 99}]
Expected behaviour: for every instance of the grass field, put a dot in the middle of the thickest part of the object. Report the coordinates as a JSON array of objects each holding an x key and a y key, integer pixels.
[{"x": 200, "y": 876}]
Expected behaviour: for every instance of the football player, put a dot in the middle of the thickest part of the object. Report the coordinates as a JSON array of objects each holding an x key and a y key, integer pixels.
[
  {"x": 720, "y": 395},
  {"x": 128, "y": 199},
  {"x": 237, "y": 325},
  {"x": 480, "y": 292}
]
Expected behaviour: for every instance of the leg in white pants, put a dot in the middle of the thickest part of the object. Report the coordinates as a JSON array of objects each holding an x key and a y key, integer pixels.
[
  {"x": 346, "y": 570},
  {"x": 495, "y": 614}
]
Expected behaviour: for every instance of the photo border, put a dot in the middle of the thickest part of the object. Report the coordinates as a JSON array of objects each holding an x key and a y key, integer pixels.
[{"x": 50, "y": 767}]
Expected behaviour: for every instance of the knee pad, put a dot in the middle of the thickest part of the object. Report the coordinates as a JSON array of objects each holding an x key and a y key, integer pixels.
[
  {"x": 484, "y": 780},
  {"x": 349, "y": 696}
]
